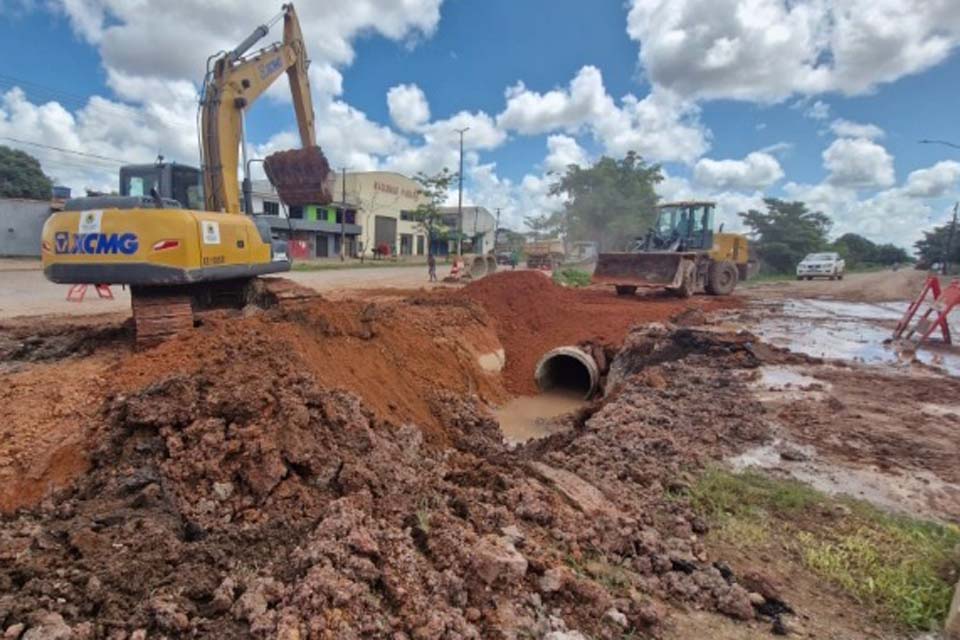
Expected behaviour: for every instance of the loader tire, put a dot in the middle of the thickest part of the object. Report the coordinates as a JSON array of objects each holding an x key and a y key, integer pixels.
[
  {"x": 625, "y": 289},
  {"x": 722, "y": 278}
]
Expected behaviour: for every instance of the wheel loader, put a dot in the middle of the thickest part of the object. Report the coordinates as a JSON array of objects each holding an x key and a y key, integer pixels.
[
  {"x": 680, "y": 253},
  {"x": 177, "y": 235}
]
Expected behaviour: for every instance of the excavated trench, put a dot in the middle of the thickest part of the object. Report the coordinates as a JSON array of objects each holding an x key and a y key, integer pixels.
[{"x": 275, "y": 476}]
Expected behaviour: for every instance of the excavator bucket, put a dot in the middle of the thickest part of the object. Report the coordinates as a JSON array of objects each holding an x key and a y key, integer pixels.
[
  {"x": 651, "y": 269},
  {"x": 299, "y": 176}
]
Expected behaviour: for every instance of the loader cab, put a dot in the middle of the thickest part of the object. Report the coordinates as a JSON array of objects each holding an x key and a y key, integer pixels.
[
  {"x": 172, "y": 181},
  {"x": 683, "y": 226}
]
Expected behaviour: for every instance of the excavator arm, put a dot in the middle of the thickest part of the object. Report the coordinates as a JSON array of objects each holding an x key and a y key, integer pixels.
[{"x": 231, "y": 86}]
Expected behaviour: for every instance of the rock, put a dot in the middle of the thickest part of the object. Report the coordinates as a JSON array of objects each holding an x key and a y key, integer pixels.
[
  {"x": 513, "y": 533},
  {"x": 735, "y": 602},
  {"x": 791, "y": 454},
  {"x": 553, "y": 580},
  {"x": 495, "y": 556},
  {"x": 565, "y": 635},
  {"x": 168, "y": 615},
  {"x": 223, "y": 596},
  {"x": 762, "y": 584},
  {"x": 251, "y": 605},
  {"x": 139, "y": 634},
  {"x": 223, "y": 490},
  {"x": 951, "y": 626},
  {"x": 83, "y": 631},
  {"x": 617, "y": 618},
  {"x": 13, "y": 631},
  {"x": 575, "y": 489},
  {"x": 756, "y": 599},
  {"x": 48, "y": 626}
]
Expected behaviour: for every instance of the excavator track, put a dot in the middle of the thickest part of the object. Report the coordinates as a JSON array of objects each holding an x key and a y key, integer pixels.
[
  {"x": 157, "y": 316},
  {"x": 160, "y": 313}
]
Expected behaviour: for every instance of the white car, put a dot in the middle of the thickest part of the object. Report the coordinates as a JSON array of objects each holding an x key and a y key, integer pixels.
[{"x": 821, "y": 265}]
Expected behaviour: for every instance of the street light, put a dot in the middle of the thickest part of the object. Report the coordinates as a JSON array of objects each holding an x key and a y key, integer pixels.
[{"x": 460, "y": 195}]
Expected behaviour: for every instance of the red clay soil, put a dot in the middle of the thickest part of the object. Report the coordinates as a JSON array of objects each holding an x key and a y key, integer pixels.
[{"x": 534, "y": 315}]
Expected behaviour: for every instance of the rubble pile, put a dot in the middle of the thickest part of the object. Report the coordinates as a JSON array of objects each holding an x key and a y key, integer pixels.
[{"x": 225, "y": 504}]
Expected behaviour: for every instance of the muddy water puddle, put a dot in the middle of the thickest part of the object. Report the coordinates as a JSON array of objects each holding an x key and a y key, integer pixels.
[
  {"x": 852, "y": 331},
  {"x": 526, "y": 417},
  {"x": 918, "y": 493}
]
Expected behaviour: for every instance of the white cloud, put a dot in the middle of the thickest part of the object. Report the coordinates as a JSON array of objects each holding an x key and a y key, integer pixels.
[
  {"x": 847, "y": 129},
  {"x": 169, "y": 43},
  {"x": 933, "y": 182},
  {"x": 858, "y": 163},
  {"x": 562, "y": 152},
  {"x": 768, "y": 50},
  {"x": 756, "y": 171},
  {"x": 661, "y": 126},
  {"x": 408, "y": 106},
  {"x": 115, "y": 132},
  {"x": 819, "y": 110}
]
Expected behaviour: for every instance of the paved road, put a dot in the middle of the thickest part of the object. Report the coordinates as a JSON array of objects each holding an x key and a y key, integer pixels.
[{"x": 25, "y": 292}]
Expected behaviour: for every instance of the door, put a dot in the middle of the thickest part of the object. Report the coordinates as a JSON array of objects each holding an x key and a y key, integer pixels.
[{"x": 385, "y": 232}]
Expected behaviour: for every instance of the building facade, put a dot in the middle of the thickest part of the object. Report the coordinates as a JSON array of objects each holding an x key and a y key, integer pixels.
[
  {"x": 378, "y": 208},
  {"x": 21, "y": 224},
  {"x": 474, "y": 230}
]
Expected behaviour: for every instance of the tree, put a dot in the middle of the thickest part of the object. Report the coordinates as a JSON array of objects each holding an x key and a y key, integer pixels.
[
  {"x": 434, "y": 188},
  {"x": 610, "y": 203},
  {"x": 860, "y": 252},
  {"x": 934, "y": 243},
  {"x": 21, "y": 176},
  {"x": 786, "y": 232},
  {"x": 542, "y": 225}
]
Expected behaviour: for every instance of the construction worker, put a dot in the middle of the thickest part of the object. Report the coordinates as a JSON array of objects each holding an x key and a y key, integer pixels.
[{"x": 432, "y": 267}]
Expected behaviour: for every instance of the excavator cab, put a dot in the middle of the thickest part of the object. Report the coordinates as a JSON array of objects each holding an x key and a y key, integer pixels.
[{"x": 170, "y": 180}]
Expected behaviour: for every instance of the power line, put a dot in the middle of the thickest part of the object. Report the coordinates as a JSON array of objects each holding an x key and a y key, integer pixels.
[
  {"x": 62, "y": 150},
  {"x": 78, "y": 102}
]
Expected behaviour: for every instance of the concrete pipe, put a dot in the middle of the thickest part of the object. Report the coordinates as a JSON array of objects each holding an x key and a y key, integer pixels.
[
  {"x": 569, "y": 369},
  {"x": 477, "y": 267},
  {"x": 491, "y": 264}
]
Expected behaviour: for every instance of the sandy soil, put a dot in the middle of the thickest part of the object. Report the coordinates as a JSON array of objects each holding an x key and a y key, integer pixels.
[{"x": 879, "y": 286}]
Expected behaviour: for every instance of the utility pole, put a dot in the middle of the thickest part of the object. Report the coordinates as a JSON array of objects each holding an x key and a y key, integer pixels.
[
  {"x": 948, "y": 250},
  {"x": 496, "y": 231},
  {"x": 460, "y": 195},
  {"x": 343, "y": 213}
]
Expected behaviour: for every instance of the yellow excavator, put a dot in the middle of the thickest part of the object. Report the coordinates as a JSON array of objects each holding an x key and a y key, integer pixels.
[{"x": 178, "y": 235}]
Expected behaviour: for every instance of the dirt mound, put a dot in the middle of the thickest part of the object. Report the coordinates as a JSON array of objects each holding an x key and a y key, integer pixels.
[
  {"x": 395, "y": 356},
  {"x": 228, "y": 504},
  {"x": 534, "y": 315}
]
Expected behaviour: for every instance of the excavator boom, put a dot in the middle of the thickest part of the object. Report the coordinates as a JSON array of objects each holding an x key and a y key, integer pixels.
[{"x": 230, "y": 87}]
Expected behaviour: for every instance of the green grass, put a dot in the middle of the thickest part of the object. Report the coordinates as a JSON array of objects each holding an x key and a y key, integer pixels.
[
  {"x": 353, "y": 264},
  {"x": 904, "y": 567},
  {"x": 571, "y": 277}
]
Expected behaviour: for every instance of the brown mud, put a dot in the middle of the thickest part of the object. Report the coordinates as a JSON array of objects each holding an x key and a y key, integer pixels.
[
  {"x": 333, "y": 472},
  {"x": 533, "y": 315}
]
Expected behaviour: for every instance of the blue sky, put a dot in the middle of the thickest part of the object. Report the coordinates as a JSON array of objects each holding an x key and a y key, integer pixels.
[{"x": 799, "y": 100}]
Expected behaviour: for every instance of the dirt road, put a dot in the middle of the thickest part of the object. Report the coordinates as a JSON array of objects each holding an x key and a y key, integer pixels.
[
  {"x": 25, "y": 292},
  {"x": 877, "y": 286}
]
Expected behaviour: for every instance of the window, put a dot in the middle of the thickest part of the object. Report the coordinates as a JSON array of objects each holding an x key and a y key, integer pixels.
[
  {"x": 410, "y": 216},
  {"x": 271, "y": 208},
  {"x": 296, "y": 212}
]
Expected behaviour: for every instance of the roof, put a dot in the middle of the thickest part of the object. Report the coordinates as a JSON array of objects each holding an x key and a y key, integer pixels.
[{"x": 687, "y": 203}]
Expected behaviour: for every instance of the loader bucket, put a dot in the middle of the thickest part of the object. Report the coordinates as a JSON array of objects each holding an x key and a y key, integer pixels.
[
  {"x": 299, "y": 176},
  {"x": 651, "y": 269}
]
